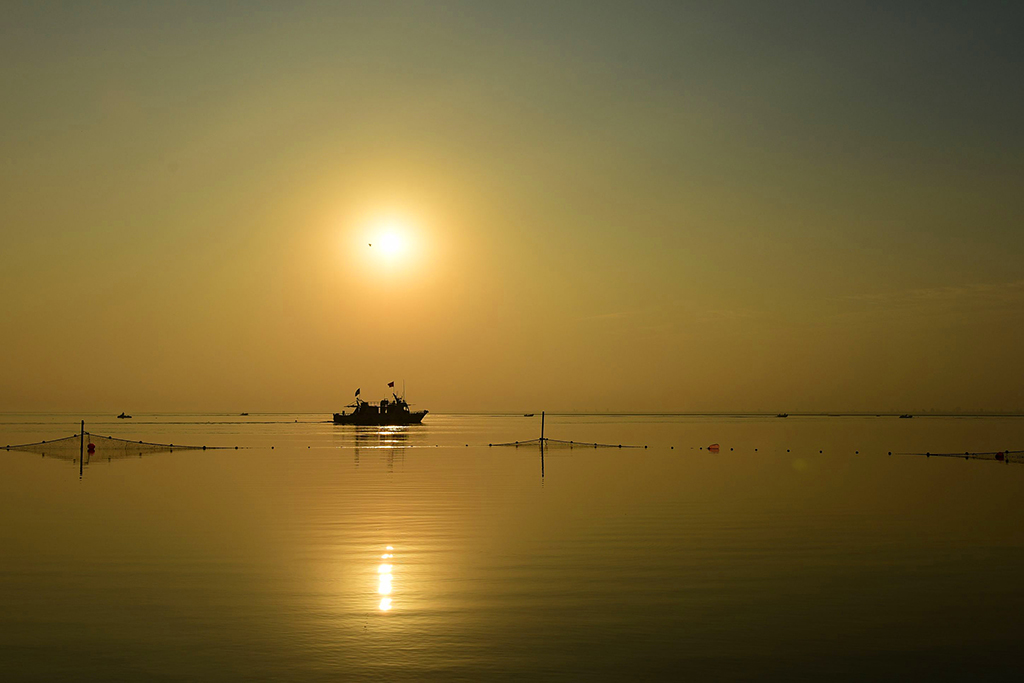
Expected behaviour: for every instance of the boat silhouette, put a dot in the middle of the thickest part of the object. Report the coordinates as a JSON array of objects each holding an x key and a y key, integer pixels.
[
  {"x": 385, "y": 413},
  {"x": 123, "y": 416}
]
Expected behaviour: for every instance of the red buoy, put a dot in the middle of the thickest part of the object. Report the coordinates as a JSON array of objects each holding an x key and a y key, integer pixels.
[
  {"x": 92, "y": 448},
  {"x": 713, "y": 448}
]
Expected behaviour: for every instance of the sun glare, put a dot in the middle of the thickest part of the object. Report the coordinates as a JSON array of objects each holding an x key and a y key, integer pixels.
[
  {"x": 390, "y": 240},
  {"x": 391, "y": 244}
]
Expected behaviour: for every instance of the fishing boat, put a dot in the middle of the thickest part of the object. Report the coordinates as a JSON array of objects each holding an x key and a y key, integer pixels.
[
  {"x": 124, "y": 416},
  {"x": 385, "y": 413}
]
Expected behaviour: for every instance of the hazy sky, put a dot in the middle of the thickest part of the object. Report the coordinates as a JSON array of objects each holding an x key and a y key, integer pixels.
[{"x": 612, "y": 206}]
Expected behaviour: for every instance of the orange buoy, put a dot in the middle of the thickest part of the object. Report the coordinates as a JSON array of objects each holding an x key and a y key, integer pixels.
[{"x": 713, "y": 448}]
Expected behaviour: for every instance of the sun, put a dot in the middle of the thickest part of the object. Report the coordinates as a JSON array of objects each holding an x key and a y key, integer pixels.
[
  {"x": 390, "y": 240},
  {"x": 391, "y": 243}
]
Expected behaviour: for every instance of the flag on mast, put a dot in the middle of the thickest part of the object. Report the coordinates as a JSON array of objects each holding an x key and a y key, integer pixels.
[
  {"x": 391, "y": 384},
  {"x": 357, "y": 392}
]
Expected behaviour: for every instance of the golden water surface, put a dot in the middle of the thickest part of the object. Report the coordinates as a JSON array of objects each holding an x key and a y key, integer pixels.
[{"x": 321, "y": 552}]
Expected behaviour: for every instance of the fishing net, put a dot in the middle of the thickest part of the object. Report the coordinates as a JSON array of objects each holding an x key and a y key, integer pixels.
[
  {"x": 544, "y": 442},
  {"x": 559, "y": 443},
  {"x": 98, "y": 446},
  {"x": 1008, "y": 457}
]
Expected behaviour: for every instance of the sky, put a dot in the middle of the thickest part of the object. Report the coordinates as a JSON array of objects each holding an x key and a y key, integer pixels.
[{"x": 594, "y": 206}]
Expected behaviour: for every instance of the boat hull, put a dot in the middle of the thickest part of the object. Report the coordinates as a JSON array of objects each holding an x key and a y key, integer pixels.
[{"x": 379, "y": 420}]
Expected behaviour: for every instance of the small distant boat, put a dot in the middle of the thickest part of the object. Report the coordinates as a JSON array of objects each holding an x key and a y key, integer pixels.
[
  {"x": 782, "y": 415},
  {"x": 906, "y": 416},
  {"x": 123, "y": 416},
  {"x": 244, "y": 414},
  {"x": 528, "y": 414}
]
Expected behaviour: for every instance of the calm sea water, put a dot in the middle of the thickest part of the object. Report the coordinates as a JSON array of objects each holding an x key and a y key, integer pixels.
[{"x": 801, "y": 549}]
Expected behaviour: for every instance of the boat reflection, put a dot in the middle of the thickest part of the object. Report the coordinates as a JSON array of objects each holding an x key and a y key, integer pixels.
[
  {"x": 384, "y": 579},
  {"x": 391, "y": 440}
]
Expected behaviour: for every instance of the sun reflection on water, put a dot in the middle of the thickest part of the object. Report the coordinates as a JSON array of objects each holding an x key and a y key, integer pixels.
[{"x": 384, "y": 578}]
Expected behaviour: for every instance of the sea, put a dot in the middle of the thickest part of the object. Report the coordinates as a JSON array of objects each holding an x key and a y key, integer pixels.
[{"x": 707, "y": 547}]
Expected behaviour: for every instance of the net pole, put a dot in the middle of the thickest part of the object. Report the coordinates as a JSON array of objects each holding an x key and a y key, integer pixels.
[
  {"x": 542, "y": 425},
  {"x": 81, "y": 451}
]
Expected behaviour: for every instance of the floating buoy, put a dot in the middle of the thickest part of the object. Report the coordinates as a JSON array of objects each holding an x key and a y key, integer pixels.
[
  {"x": 999, "y": 455},
  {"x": 713, "y": 448},
  {"x": 92, "y": 448}
]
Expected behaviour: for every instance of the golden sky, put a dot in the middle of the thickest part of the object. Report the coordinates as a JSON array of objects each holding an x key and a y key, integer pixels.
[{"x": 592, "y": 206}]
